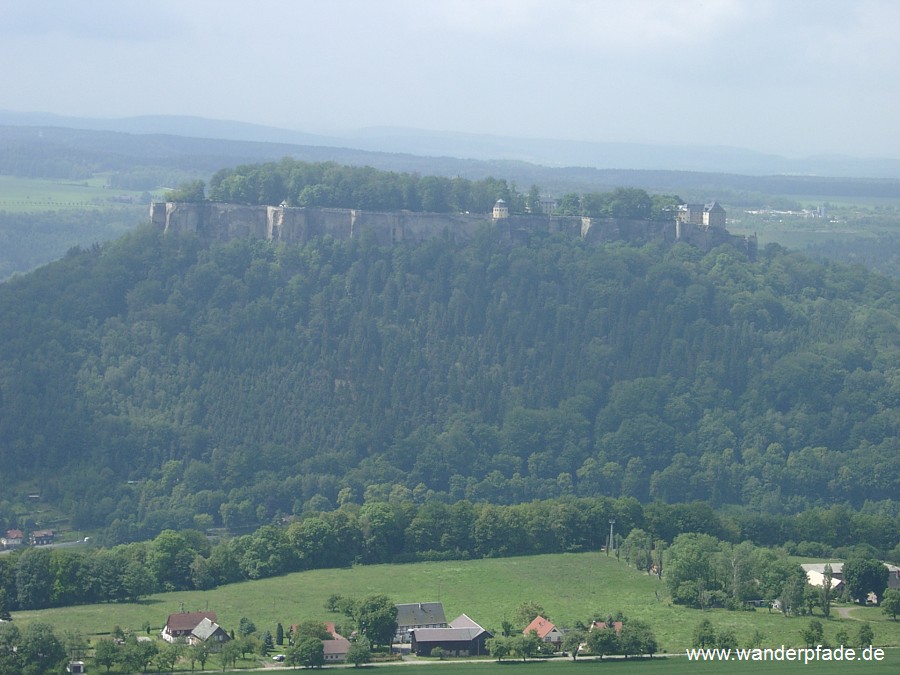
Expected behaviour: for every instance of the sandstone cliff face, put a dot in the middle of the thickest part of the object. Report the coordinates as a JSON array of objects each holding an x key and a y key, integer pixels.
[{"x": 213, "y": 221}]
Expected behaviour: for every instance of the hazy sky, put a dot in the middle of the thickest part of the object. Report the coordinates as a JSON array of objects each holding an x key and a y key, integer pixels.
[{"x": 785, "y": 76}]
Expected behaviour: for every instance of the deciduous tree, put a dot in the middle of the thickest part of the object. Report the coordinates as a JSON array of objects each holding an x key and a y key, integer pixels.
[
  {"x": 360, "y": 652},
  {"x": 864, "y": 576},
  {"x": 890, "y": 605}
]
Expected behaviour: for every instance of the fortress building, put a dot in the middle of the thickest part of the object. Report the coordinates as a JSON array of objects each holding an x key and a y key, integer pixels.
[
  {"x": 501, "y": 210},
  {"x": 709, "y": 215}
]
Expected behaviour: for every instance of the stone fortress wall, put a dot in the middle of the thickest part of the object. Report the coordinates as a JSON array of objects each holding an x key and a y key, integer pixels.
[{"x": 215, "y": 221}]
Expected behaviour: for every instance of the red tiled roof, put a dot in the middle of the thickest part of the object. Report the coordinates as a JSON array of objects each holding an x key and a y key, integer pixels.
[
  {"x": 329, "y": 626},
  {"x": 617, "y": 626},
  {"x": 541, "y": 626}
]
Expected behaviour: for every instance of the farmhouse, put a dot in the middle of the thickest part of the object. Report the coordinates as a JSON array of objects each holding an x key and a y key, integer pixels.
[
  {"x": 182, "y": 625},
  {"x": 603, "y": 625},
  {"x": 546, "y": 631},
  {"x": 418, "y": 615},
  {"x": 463, "y": 637},
  {"x": 336, "y": 648},
  {"x": 207, "y": 631},
  {"x": 13, "y": 539},
  {"x": 815, "y": 574},
  {"x": 42, "y": 537}
]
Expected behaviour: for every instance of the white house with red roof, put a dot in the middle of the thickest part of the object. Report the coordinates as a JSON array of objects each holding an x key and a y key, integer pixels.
[
  {"x": 13, "y": 539},
  {"x": 546, "y": 631}
]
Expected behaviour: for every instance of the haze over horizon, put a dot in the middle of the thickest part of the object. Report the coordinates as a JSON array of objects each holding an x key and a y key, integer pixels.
[{"x": 793, "y": 79}]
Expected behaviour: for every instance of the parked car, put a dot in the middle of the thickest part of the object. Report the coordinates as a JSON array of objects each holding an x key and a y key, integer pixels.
[{"x": 278, "y": 657}]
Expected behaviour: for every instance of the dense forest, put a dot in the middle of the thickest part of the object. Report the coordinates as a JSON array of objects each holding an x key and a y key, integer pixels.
[
  {"x": 880, "y": 252},
  {"x": 28, "y": 240},
  {"x": 155, "y": 383}
]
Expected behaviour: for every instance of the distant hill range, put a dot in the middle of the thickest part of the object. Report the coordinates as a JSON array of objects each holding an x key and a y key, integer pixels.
[{"x": 496, "y": 154}]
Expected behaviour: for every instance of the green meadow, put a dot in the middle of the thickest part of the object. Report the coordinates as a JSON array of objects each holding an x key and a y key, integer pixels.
[
  {"x": 657, "y": 666},
  {"x": 570, "y": 587},
  {"x": 30, "y": 195}
]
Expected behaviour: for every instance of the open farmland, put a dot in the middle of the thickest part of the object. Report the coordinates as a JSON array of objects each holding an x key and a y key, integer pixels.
[
  {"x": 29, "y": 195},
  {"x": 658, "y": 666},
  {"x": 571, "y": 587}
]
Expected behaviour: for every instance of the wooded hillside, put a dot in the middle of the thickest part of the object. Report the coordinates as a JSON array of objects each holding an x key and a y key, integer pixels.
[{"x": 235, "y": 383}]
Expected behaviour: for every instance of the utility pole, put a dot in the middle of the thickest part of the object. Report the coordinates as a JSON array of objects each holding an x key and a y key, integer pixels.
[{"x": 609, "y": 543}]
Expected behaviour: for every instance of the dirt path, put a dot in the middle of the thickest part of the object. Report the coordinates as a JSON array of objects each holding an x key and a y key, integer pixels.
[{"x": 844, "y": 613}]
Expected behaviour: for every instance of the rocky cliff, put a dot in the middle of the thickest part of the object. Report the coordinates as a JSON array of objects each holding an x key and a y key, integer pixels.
[{"x": 214, "y": 221}]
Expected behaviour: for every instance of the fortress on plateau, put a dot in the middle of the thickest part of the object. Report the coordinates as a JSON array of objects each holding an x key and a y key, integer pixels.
[{"x": 700, "y": 225}]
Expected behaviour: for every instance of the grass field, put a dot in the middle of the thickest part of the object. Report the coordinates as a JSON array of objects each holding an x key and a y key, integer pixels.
[
  {"x": 571, "y": 587},
  {"x": 658, "y": 666},
  {"x": 678, "y": 665},
  {"x": 29, "y": 195}
]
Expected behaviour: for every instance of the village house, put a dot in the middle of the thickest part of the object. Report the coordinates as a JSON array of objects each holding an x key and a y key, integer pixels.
[
  {"x": 893, "y": 576},
  {"x": 207, "y": 631},
  {"x": 42, "y": 537},
  {"x": 13, "y": 539},
  {"x": 815, "y": 575},
  {"x": 336, "y": 648},
  {"x": 463, "y": 637},
  {"x": 416, "y": 615},
  {"x": 181, "y": 625},
  {"x": 604, "y": 625},
  {"x": 546, "y": 631}
]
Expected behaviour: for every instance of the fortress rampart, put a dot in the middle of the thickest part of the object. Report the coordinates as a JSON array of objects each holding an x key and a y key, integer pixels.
[{"x": 215, "y": 221}]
